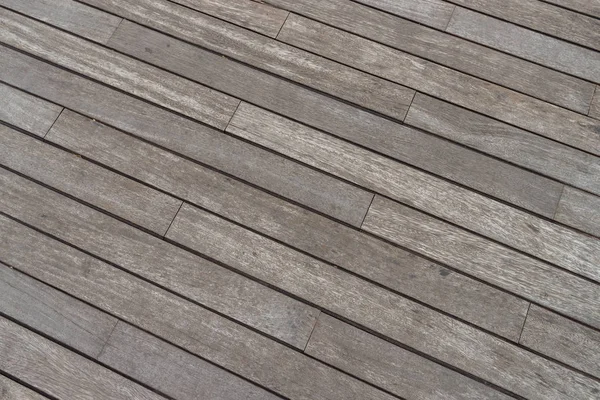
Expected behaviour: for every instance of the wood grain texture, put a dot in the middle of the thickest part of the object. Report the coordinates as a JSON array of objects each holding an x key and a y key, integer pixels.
[
  {"x": 595, "y": 106},
  {"x": 266, "y": 53},
  {"x": 79, "y": 178},
  {"x": 507, "y": 142},
  {"x": 186, "y": 325},
  {"x": 579, "y": 209},
  {"x": 450, "y": 85},
  {"x": 158, "y": 261},
  {"x": 60, "y": 372},
  {"x": 589, "y": 7},
  {"x": 493, "y": 263},
  {"x": 562, "y": 339},
  {"x": 542, "y": 17},
  {"x": 454, "y": 52},
  {"x": 27, "y": 112},
  {"x": 387, "y": 366},
  {"x": 522, "y": 42},
  {"x": 135, "y": 77},
  {"x": 11, "y": 390},
  {"x": 69, "y": 15},
  {"x": 173, "y": 371},
  {"x": 572, "y": 250},
  {"x": 435, "y": 13},
  {"x": 53, "y": 313}
]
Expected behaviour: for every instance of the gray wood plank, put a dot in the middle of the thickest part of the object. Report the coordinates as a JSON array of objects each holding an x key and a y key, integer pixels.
[
  {"x": 501, "y": 68},
  {"x": 173, "y": 371},
  {"x": 595, "y": 106},
  {"x": 435, "y": 13},
  {"x": 450, "y": 85},
  {"x": 82, "y": 179},
  {"x": 572, "y": 250},
  {"x": 59, "y": 372},
  {"x": 589, "y": 7},
  {"x": 27, "y": 112},
  {"x": 507, "y": 142},
  {"x": 522, "y": 42},
  {"x": 53, "y": 313},
  {"x": 112, "y": 68},
  {"x": 379, "y": 310},
  {"x": 562, "y": 339},
  {"x": 255, "y": 165},
  {"x": 580, "y": 209},
  {"x": 181, "y": 323},
  {"x": 158, "y": 261},
  {"x": 486, "y": 260},
  {"x": 266, "y": 53},
  {"x": 11, "y": 390},
  {"x": 542, "y": 17},
  {"x": 69, "y": 15},
  {"x": 387, "y": 366}
]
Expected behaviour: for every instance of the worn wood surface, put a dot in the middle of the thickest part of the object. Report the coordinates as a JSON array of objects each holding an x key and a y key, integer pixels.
[
  {"x": 434, "y": 13},
  {"x": 579, "y": 209},
  {"x": 589, "y": 7},
  {"x": 595, "y": 106},
  {"x": 11, "y": 390}
]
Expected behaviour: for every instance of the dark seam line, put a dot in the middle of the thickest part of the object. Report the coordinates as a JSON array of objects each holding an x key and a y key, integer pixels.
[
  {"x": 18, "y": 381},
  {"x": 447, "y": 23},
  {"x": 564, "y": 7},
  {"x": 111, "y": 35},
  {"x": 592, "y": 102},
  {"x": 524, "y": 322},
  {"x": 280, "y": 28},
  {"x": 312, "y": 330},
  {"x": 367, "y": 212},
  {"x": 54, "y": 122},
  {"x": 233, "y": 115},
  {"x": 107, "y": 340},
  {"x": 562, "y": 192},
  {"x": 174, "y": 216}
]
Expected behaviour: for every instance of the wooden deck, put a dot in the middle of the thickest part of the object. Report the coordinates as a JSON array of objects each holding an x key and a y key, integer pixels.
[{"x": 299, "y": 199}]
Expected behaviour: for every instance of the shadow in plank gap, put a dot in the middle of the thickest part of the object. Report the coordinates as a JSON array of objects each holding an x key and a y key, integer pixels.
[{"x": 11, "y": 390}]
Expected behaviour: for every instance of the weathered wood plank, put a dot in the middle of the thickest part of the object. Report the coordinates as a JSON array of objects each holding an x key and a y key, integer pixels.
[
  {"x": 265, "y": 53},
  {"x": 75, "y": 17},
  {"x": 390, "y": 367},
  {"x": 562, "y": 339},
  {"x": 580, "y": 209},
  {"x": 189, "y": 326},
  {"x": 589, "y": 7},
  {"x": 542, "y": 17},
  {"x": 507, "y": 142},
  {"x": 11, "y": 390},
  {"x": 173, "y": 371},
  {"x": 82, "y": 179},
  {"x": 522, "y": 42},
  {"x": 158, "y": 261},
  {"x": 435, "y": 13},
  {"x": 491, "y": 262},
  {"x": 27, "y": 112},
  {"x": 595, "y": 106},
  {"x": 250, "y": 163},
  {"x": 59, "y": 372},
  {"x": 572, "y": 250},
  {"x": 501, "y": 68},
  {"x": 112, "y": 68},
  {"x": 442, "y": 82},
  {"x": 53, "y": 313}
]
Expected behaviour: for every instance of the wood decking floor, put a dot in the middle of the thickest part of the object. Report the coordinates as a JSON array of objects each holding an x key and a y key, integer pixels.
[{"x": 299, "y": 199}]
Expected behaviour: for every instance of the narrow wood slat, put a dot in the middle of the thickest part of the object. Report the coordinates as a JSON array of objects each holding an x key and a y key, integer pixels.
[
  {"x": 583, "y": 6},
  {"x": 486, "y": 260},
  {"x": 11, "y": 390},
  {"x": 562, "y": 339},
  {"x": 580, "y": 209},
  {"x": 158, "y": 261},
  {"x": 53, "y": 313},
  {"x": 435, "y": 13},
  {"x": 522, "y": 42},
  {"x": 257, "y": 166},
  {"x": 454, "y": 52},
  {"x": 507, "y": 142},
  {"x": 114, "y": 69},
  {"x": 450, "y": 85},
  {"x": 27, "y": 112},
  {"x": 59, "y": 372},
  {"x": 189, "y": 326},
  {"x": 595, "y": 106}
]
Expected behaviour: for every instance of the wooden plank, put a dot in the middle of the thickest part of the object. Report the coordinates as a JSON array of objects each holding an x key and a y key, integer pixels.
[
  {"x": 399, "y": 371},
  {"x": 450, "y": 85},
  {"x": 11, "y": 390},
  {"x": 379, "y": 310},
  {"x": 584, "y": 6},
  {"x": 579, "y": 209},
  {"x": 255, "y": 165},
  {"x": 492, "y": 65},
  {"x": 522, "y": 42},
  {"x": 208, "y": 335},
  {"x": 69, "y": 15},
  {"x": 507, "y": 142},
  {"x": 263, "y": 52},
  {"x": 572, "y": 250},
  {"x": 542, "y": 17},
  {"x": 27, "y": 112},
  {"x": 562, "y": 339},
  {"x": 595, "y": 106},
  {"x": 135, "y": 77},
  {"x": 491, "y": 262},
  {"x": 173, "y": 371},
  {"x": 53, "y": 313},
  {"x": 435, "y": 13},
  {"x": 59, "y": 372},
  {"x": 77, "y": 177},
  {"x": 158, "y": 261}
]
